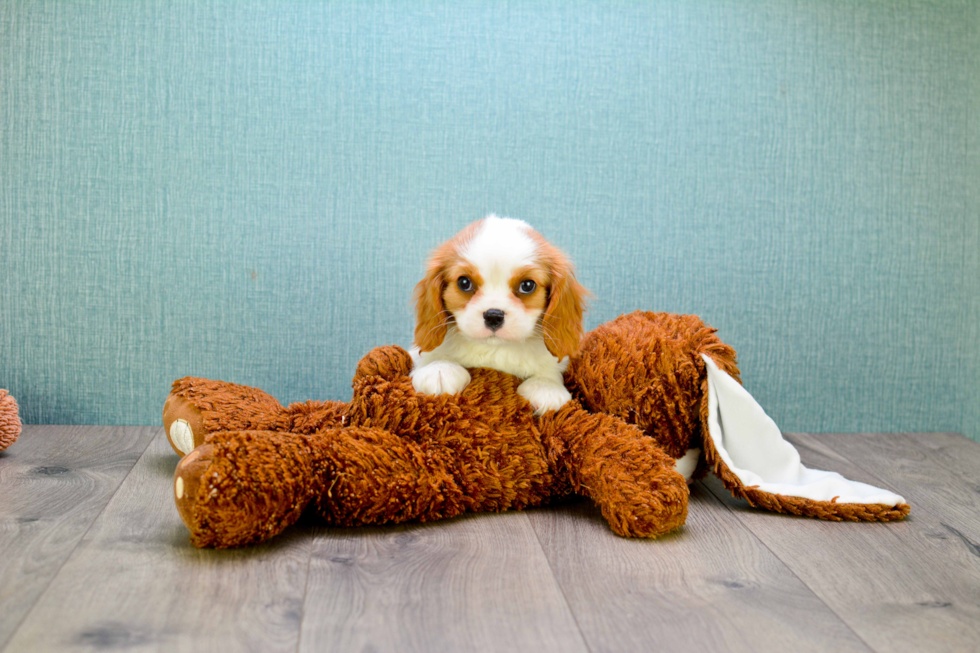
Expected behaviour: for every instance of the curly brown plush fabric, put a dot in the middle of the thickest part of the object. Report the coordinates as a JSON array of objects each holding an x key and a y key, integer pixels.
[
  {"x": 646, "y": 369},
  {"x": 398, "y": 456},
  {"x": 393, "y": 455},
  {"x": 10, "y": 426}
]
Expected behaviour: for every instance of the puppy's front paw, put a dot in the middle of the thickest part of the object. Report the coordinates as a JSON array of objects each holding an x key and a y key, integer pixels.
[
  {"x": 544, "y": 395},
  {"x": 440, "y": 378}
]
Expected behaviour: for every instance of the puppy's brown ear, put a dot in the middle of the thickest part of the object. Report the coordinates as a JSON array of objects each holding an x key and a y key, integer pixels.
[
  {"x": 431, "y": 316},
  {"x": 562, "y": 320}
]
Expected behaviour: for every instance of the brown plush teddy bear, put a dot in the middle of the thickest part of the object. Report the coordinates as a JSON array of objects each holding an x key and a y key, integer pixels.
[
  {"x": 644, "y": 411},
  {"x": 9, "y": 420}
]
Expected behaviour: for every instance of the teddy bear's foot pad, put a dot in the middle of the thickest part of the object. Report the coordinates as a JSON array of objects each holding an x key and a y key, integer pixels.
[
  {"x": 183, "y": 423},
  {"x": 181, "y": 437},
  {"x": 187, "y": 481}
]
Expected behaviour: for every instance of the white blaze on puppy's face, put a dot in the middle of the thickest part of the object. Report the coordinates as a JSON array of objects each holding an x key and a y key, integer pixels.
[{"x": 502, "y": 278}]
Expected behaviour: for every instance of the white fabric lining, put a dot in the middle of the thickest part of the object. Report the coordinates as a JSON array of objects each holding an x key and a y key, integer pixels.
[{"x": 753, "y": 448}]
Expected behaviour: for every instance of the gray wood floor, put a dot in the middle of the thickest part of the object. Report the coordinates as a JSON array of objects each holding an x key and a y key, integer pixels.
[{"x": 93, "y": 556}]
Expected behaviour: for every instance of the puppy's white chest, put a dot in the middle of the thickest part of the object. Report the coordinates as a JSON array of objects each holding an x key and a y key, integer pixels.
[{"x": 524, "y": 359}]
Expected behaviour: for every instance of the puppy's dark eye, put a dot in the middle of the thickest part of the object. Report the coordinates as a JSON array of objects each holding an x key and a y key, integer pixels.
[
  {"x": 527, "y": 287},
  {"x": 465, "y": 284}
]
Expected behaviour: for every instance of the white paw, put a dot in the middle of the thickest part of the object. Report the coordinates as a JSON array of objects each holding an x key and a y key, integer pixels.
[
  {"x": 544, "y": 395},
  {"x": 440, "y": 378}
]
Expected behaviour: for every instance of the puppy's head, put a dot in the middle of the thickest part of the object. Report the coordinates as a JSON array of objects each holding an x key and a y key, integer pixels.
[{"x": 498, "y": 281}]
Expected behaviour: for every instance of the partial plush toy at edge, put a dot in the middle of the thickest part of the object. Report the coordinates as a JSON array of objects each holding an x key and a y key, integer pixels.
[
  {"x": 392, "y": 455},
  {"x": 10, "y": 426}
]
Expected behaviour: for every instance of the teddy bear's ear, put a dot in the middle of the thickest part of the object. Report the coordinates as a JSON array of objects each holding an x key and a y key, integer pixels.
[
  {"x": 431, "y": 317},
  {"x": 749, "y": 454}
]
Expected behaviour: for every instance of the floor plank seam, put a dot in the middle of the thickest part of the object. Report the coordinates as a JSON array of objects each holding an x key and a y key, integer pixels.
[
  {"x": 786, "y": 565},
  {"x": 47, "y": 586},
  {"x": 561, "y": 589},
  {"x": 306, "y": 589}
]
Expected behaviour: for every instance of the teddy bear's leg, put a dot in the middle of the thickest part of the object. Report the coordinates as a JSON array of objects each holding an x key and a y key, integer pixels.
[
  {"x": 245, "y": 487},
  {"x": 631, "y": 479},
  {"x": 196, "y": 407},
  {"x": 376, "y": 477}
]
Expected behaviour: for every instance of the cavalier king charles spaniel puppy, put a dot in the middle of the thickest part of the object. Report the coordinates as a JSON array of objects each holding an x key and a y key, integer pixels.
[{"x": 498, "y": 295}]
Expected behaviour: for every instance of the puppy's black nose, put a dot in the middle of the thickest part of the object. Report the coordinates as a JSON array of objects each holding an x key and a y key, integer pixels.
[{"x": 493, "y": 318}]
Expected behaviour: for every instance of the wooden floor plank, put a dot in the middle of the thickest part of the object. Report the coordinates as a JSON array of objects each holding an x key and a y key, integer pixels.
[
  {"x": 476, "y": 583},
  {"x": 941, "y": 471},
  {"x": 54, "y": 482},
  {"x": 710, "y": 586},
  {"x": 910, "y": 585},
  {"x": 550, "y": 579},
  {"x": 959, "y": 450},
  {"x": 135, "y": 582}
]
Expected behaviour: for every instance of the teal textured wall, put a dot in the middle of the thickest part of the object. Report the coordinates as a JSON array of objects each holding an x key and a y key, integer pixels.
[{"x": 246, "y": 191}]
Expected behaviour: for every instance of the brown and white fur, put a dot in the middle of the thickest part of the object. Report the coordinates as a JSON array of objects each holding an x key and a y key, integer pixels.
[{"x": 498, "y": 295}]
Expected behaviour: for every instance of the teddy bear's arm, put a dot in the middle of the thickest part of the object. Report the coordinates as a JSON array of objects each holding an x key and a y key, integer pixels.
[
  {"x": 626, "y": 473},
  {"x": 646, "y": 368},
  {"x": 389, "y": 362}
]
